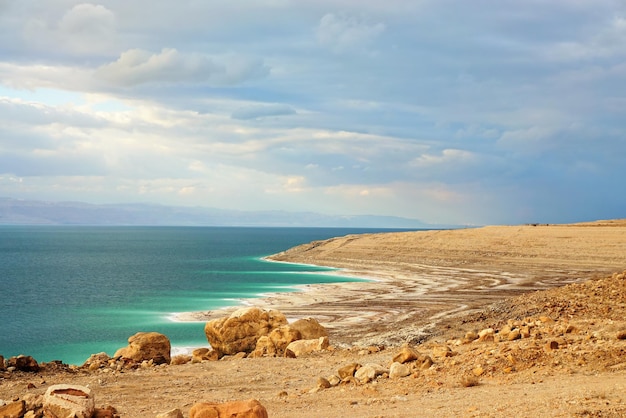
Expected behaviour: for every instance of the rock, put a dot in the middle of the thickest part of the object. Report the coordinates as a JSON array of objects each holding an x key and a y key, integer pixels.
[
  {"x": 204, "y": 354},
  {"x": 33, "y": 401},
  {"x": 478, "y": 371},
  {"x": 398, "y": 370},
  {"x": 23, "y": 363},
  {"x": 180, "y": 359},
  {"x": 13, "y": 410},
  {"x": 309, "y": 329},
  {"x": 365, "y": 374},
  {"x": 552, "y": 345},
  {"x": 236, "y": 409},
  {"x": 334, "y": 380},
  {"x": 174, "y": 413},
  {"x": 147, "y": 346},
  {"x": 96, "y": 361},
  {"x": 406, "y": 355},
  {"x": 68, "y": 401},
  {"x": 300, "y": 347},
  {"x": 425, "y": 362},
  {"x": 2, "y": 365},
  {"x": 108, "y": 412},
  {"x": 486, "y": 334},
  {"x": 348, "y": 370},
  {"x": 442, "y": 351},
  {"x": 621, "y": 335},
  {"x": 283, "y": 336},
  {"x": 323, "y": 383},
  {"x": 264, "y": 348},
  {"x": 470, "y": 336},
  {"x": 240, "y": 331},
  {"x": 514, "y": 335}
]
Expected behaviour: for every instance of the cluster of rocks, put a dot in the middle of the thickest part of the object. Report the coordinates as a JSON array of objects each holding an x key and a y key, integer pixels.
[
  {"x": 260, "y": 333},
  {"x": 59, "y": 401},
  {"x": 76, "y": 401},
  {"x": 513, "y": 346},
  {"x": 247, "y": 332}
]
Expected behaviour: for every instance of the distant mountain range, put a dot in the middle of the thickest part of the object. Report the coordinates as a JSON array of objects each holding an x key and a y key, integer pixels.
[{"x": 33, "y": 212}]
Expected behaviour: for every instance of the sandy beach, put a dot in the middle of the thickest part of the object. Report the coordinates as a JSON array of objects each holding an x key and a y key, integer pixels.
[{"x": 562, "y": 286}]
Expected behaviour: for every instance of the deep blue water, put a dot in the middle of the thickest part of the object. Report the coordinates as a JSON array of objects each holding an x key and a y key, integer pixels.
[{"x": 70, "y": 291}]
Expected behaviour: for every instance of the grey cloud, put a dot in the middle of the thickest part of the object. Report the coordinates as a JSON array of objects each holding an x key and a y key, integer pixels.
[
  {"x": 262, "y": 111},
  {"x": 138, "y": 66}
]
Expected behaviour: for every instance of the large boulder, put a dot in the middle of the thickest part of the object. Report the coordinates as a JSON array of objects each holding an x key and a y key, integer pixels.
[
  {"x": 236, "y": 409},
  {"x": 68, "y": 401},
  {"x": 240, "y": 331},
  {"x": 147, "y": 346},
  {"x": 309, "y": 329}
]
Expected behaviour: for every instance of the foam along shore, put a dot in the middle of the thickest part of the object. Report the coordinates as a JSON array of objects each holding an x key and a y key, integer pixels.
[{"x": 422, "y": 277}]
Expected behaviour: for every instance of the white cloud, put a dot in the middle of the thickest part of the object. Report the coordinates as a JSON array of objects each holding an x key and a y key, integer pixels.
[
  {"x": 84, "y": 29},
  {"x": 138, "y": 66},
  {"x": 347, "y": 33}
]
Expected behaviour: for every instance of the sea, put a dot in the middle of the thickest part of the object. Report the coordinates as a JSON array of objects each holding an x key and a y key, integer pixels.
[{"x": 67, "y": 292}]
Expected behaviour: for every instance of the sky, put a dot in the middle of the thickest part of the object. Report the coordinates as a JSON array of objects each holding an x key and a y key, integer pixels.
[{"x": 456, "y": 112}]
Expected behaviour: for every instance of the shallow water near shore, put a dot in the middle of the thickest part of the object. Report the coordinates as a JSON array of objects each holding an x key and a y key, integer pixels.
[{"x": 70, "y": 291}]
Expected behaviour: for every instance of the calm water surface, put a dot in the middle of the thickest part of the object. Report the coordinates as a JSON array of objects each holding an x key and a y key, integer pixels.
[{"x": 68, "y": 292}]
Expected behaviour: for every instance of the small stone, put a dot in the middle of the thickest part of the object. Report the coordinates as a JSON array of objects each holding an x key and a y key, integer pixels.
[
  {"x": 471, "y": 336},
  {"x": 174, "y": 413},
  {"x": 365, "y": 374},
  {"x": 552, "y": 345},
  {"x": 621, "y": 335},
  {"x": 323, "y": 383},
  {"x": 348, "y": 370},
  {"x": 406, "y": 355},
  {"x": 486, "y": 334},
  {"x": 514, "y": 335},
  {"x": 478, "y": 371},
  {"x": 334, "y": 380},
  {"x": 442, "y": 351},
  {"x": 398, "y": 370}
]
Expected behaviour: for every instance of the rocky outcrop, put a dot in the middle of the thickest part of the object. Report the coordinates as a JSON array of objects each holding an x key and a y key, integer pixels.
[
  {"x": 23, "y": 363},
  {"x": 240, "y": 331},
  {"x": 236, "y": 409},
  {"x": 68, "y": 401},
  {"x": 146, "y": 346}
]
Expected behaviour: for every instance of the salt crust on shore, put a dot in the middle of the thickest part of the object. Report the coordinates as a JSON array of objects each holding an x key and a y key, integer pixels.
[{"x": 416, "y": 278}]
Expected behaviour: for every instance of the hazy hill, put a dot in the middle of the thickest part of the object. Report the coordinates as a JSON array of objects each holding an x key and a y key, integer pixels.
[{"x": 32, "y": 212}]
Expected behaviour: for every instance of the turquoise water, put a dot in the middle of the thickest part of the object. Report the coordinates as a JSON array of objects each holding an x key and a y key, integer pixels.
[{"x": 68, "y": 292}]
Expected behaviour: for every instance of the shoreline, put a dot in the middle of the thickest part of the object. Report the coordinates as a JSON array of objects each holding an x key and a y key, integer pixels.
[{"x": 410, "y": 281}]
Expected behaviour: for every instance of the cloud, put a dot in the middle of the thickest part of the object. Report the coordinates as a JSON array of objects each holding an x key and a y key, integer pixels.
[
  {"x": 446, "y": 111},
  {"x": 262, "y": 111},
  {"x": 347, "y": 33},
  {"x": 138, "y": 66},
  {"x": 84, "y": 29}
]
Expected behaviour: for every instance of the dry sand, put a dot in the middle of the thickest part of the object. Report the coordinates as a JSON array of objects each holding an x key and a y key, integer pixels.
[{"x": 430, "y": 288}]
